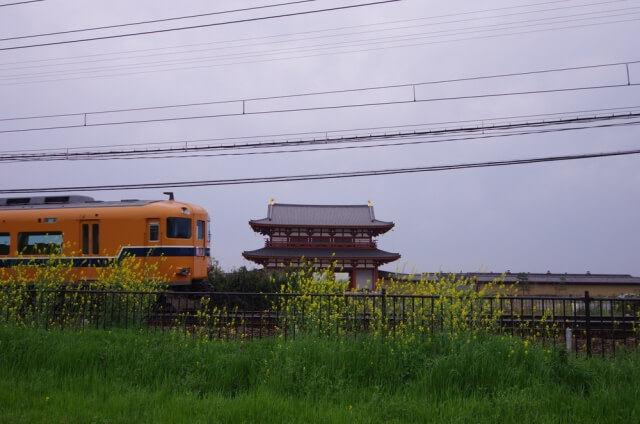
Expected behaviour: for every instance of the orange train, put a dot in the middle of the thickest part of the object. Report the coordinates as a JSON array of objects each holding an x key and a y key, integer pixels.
[{"x": 93, "y": 233}]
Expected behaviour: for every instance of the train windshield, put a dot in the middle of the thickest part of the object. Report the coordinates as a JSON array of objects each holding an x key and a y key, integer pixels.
[{"x": 179, "y": 228}]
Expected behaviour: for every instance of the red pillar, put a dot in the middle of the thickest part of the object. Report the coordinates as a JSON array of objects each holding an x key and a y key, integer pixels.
[
  {"x": 374, "y": 283},
  {"x": 352, "y": 280}
]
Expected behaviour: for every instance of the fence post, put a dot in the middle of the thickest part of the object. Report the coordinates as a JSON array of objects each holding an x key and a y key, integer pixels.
[
  {"x": 384, "y": 302},
  {"x": 63, "y": 293},
  {"x": 383, "y": 306},
  {"x": 587, "y": 320}
]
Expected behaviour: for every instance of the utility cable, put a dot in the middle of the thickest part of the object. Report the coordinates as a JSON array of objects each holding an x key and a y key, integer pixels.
[
  {"x": 237, "y": 55},
  {"x": 317, "y": 108},
  {"x": 284, "y": 53},
  {"x": 20, "y": 2},
  {"x": 324, "y": 146},
  {"x": 311, "y": 144},
  {"x": 254, "y": 40},
  {"x": 319, "y": 176},
  {"x": 155, "y": 21},
  {"x": 341, "y": 133},
  {"x": 236, "y": 21},
  {"x": 294, "y": 53},
  {"x": 241, "y": 105}
]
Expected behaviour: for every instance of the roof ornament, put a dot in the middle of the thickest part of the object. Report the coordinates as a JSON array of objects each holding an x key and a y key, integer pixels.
[
  {"x": 371, "y": 214},
  {"x": 169, "y": 193},
  {"x": 270, "y": 209}
]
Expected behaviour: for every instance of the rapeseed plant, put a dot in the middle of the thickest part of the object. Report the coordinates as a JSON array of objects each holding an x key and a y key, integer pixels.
[
  {"x": 48, "y": 291},
  {"x": 404, "y": 309},
  {"x": 313, "y": 300},
  {"x": 449, "y": 303}
]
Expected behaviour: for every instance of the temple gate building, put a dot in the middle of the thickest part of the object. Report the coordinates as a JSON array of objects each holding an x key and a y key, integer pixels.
[{"x": 323, "y": 234}]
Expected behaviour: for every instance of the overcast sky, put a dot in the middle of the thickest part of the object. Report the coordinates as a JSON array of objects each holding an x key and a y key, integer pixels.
[{"x": 253, "y": 73}]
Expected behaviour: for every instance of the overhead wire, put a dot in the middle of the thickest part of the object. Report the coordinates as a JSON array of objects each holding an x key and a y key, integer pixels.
[
  {"x": 340, "y": 133},
  {"x": 155, "y": 21},
  {"x": 320, "y": 176},
  {"x": 412, "y": 141},
  {"x": 316, "y": 108},
  {"x": 239, "y": 57},
  {"x": 290, "y": 50},
  {"x": 419, "y": 136},
  {"x": 405, "y": 140},
  {"x": 314, "y": 55},
  {"x": 165, "y": 30},
  {"x": 311, "y": 144},
  {"x": 241, "y": 104},
  {"x": 252, "y": 40},
  {"x": 20, "y": 2}
]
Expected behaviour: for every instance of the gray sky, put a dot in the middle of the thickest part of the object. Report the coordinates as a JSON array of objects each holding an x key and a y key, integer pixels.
[{"x": 568, "y": 216}]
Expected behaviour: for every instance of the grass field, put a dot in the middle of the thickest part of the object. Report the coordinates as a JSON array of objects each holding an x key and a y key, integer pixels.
[{"x": 164, "y": 377}]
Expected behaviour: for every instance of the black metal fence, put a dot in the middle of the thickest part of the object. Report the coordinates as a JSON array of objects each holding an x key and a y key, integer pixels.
[{"x": 584, "y": 324}]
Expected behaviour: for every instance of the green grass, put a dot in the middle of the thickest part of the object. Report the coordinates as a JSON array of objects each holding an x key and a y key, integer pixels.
[{"x": 155, "y": 377}]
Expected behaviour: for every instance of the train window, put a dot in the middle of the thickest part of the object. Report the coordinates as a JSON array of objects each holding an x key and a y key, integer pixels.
[
  {"x": 154, "y": 231},
  {"x": 200, "y": 230},
  {"x": 4, "y": 243},
  {"x": 179, "y": 228},
  {"x": 40, "y": 243}
]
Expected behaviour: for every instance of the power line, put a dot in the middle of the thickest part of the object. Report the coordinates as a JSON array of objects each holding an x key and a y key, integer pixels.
[
  {"x": 20, "y": 2},
  {"x": 422, "y": 136},
  {"x": 252, "y": 40},
  {"x": 315, "y": 108},
  {"x": 255, "y": 58},
  {"x": 340, "y": 133},
  {"x": 285, "y": 50},
  {"x": 405, "y": 140},
  {"x": 320, "y": 176},
  {"x": 155, "y": 21},
  {"x": 85, "y": 73},
  {"x": 241, "y": 105},
  {"x": 236, "y": 21},
  {"x": 349, "y": 90}
]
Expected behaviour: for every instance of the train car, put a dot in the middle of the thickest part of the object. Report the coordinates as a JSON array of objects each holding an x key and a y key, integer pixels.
[{"x": 92, "y": 233}]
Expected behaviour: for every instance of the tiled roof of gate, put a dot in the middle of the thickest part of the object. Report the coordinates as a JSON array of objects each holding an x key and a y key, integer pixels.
[
  {"x": 321, "y": 216},
  {"x": 321, "y": 253}
]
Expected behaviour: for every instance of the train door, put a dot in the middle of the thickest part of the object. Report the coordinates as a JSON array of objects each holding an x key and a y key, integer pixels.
[
  {"x": 90, "y": 246},
  {"x": 152, "y": 242},
  {"x": 90, "y": 233},
  {"x": 201, "y": 262}
]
